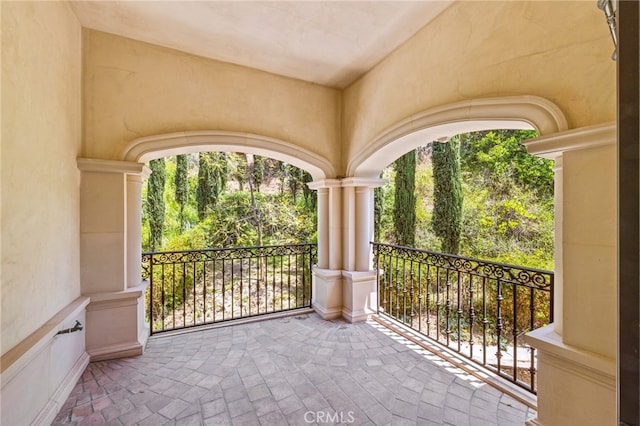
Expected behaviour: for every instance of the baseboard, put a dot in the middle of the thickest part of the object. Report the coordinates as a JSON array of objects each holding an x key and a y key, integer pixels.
[
  {"x": 357, "y": 316},
  {"x": 50, "y": 411},
  {"x": 327, "y": 314},
  {"x": 116, "y": 351},
  {"x": 40, "y": 372}
]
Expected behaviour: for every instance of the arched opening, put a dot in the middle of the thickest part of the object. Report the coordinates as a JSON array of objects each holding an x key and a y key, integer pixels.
[
  {"x": 148, "y": 148},
  {"x": 198, "y": 278},
  {"x": 466, "y": 301}
]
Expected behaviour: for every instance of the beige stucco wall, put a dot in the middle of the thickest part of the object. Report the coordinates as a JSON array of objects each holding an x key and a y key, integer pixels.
[
  {"x": 556, "y": 50},
  {"x": 134, "y": 89},
  {"x": 590, "y": 250},
  {"x": 41, "y": 103}
]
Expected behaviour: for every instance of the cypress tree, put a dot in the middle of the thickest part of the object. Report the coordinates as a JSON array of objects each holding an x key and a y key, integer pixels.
[
  {"x": 378, "y": 212},
  {"x": 206, "y": 191},
  {"x": 181, "y": 185},
  {"x": 257, "y": 172},
  {"x": 155, "y": 202},
  {"x": 447, "y": 194},
  {"x": 220, "y": 171},
  {"x": 404, "y": 216}
]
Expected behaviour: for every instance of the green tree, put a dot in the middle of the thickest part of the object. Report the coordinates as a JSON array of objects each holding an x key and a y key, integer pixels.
[
  {"x": 295, "y": 180},
  {"x": 257, "y": 171},
  {"x": 378, "y": 208},
  {"x": 405, "y": 200},
  {"x": 447, "y": 193},
  {"x": 499, "y": 159},
  {"x": 208, "y": 185},
  {"x": 181, "y": 186},
  {"x": 155, "y": 202},
  {"x": 310, "y": 196}
]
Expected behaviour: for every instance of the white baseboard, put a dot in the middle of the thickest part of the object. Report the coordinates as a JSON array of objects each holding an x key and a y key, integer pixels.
[
  {"x": 50, "y": 411},
  {"x": 38, "y": 374}
]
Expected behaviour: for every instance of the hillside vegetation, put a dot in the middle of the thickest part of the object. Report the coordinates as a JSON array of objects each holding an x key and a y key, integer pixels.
[{"x": 491, "y": 200}]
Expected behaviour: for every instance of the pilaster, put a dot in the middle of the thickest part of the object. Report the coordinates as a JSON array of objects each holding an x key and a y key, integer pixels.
[
  {"x": 576, "y": 354},
  {"x": 110, "y": 257}
]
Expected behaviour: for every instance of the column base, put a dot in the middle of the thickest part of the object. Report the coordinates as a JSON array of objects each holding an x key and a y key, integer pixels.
[
  {"x": 359, "y": 296},
  {"x": 327, "y": 293},
  {"x": 116, "y": 325},
  {"x": 574, "y": 386}
]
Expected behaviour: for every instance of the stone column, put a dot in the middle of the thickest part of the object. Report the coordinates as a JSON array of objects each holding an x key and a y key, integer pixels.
[
  {"x": 323, "y": 227},
  {"x": 359, "y": 287},
  {"x": 557, "y": 285},
  {"x": 109, "y": 257},
  {"x": 327, "y": 274},
  {"x": 134, "y": 226}
]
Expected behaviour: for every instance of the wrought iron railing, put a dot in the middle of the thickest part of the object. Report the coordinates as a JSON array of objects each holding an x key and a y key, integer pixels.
[
  {"x": 197, "y": 287},
  {"x": 477, "y": 308}
]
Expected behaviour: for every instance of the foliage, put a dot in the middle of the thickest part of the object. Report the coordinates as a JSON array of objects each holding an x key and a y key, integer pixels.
[
  {"x": 405, "y": 200},
  {"x": 155, "y": 202},
  {"x": 507, "y": 200},
  {"x": 213, "y": 172},
  {"x": 498, "y": 158},
  {"x": 228, "y": 217},
  {"x": 447, "y": 193},
  {"x": 257, "y": 171},
  {"x": 181, "y": 185}
]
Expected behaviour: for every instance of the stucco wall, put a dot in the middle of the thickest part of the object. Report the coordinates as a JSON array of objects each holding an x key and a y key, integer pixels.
[
  {"x": 134, "y": 89},
  {"x": 41, "y": 129},
  {"x": 556, "y": 50},
  {"x": 590, "y": 250}
]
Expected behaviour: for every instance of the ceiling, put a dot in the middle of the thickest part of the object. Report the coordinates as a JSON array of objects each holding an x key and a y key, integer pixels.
[{"x": 325, "y": 42}]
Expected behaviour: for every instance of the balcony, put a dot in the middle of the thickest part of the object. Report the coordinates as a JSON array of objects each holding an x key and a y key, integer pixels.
[
  {"x": 293, "y": 370},
  {"x": 280, "y": 363}
]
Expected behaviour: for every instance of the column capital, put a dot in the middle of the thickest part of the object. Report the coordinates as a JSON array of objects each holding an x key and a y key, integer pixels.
[
  {"x": 362, "y": 182},
  {"x": 113, "y": 166},
  {"x": 324, "y": 183}
]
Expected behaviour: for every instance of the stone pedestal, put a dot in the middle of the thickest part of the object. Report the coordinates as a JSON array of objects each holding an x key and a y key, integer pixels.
[
  {"x": 116, "y": 325},
  {"x": 359, "y": 295},
  {"x": 576, "y": 387},
  {"x": 327, "y": 293}
]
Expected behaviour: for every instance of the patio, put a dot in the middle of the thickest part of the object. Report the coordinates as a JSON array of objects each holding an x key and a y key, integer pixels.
[{"x": 293, "y": 370}]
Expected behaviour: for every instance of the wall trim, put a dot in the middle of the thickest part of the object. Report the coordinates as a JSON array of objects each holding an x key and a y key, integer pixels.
[
  {"x": 20, "y": 355},
  {"x": 119, "y": 350},
  {"x": 112, "y": 166},
  {"x": 554, "y": 145},
  {"x": 39, "y": 373},
  {"x": 513, "y": 112},
  {"x": 148, "y": 148}
]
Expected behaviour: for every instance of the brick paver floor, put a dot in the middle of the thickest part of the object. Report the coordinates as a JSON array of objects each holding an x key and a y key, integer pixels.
[{"x": 297, "y": 370}]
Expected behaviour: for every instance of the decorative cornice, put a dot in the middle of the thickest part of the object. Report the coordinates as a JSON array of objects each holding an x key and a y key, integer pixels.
[
  {"x": 157, "y": 146},
  {"x": 363, "y": 182},
  {"x": 112, "y": 166},
  {"x": 554, "y": 145},
  {"x": 324, "y": 183},
  {"x": 514, "y": 112}
]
